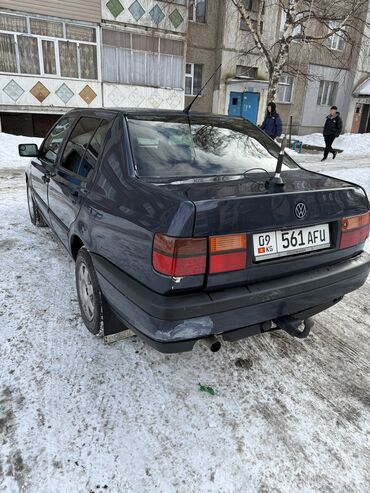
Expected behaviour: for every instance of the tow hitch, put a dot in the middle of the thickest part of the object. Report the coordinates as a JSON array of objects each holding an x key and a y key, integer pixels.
[{"x": 291, "y": 325}]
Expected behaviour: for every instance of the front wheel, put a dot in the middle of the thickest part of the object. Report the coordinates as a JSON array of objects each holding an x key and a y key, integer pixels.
[{"x": 88, "y": 292}]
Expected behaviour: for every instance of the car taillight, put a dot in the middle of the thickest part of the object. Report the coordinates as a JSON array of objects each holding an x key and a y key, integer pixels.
[
  {"x": 354, "y": 230},
  {"x": 227, "y": 253},
  {"x": 179, "y": 257}
]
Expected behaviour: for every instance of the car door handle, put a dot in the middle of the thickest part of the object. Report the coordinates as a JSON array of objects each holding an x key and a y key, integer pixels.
[
  {"x": 74, "y": 196},
  {"x": 46, "y": 178},
  {"x": 93, "y": 212}
]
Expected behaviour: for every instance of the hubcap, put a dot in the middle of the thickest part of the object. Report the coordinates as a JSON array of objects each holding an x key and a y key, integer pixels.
[{"x": 86, "y": 291}]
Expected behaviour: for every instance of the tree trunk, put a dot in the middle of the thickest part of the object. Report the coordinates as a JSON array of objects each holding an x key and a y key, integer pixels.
[{"x": 274, "y": 83}]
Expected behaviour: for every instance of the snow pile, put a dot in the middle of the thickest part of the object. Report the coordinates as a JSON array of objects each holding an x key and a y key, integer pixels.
[
  {"x": 355, "y": 144},
  {"x": 9, "y": 157}
]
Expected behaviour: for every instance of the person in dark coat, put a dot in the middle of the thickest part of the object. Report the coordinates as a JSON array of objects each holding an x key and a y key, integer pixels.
[
  {"x": 332, "y": 129},
  {"x": 272, "y": 124}
]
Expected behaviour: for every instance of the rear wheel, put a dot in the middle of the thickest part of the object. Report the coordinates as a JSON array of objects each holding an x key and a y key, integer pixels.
[
  {"x": 35, "y": 215},
  {"x": 88, "y": 292}
]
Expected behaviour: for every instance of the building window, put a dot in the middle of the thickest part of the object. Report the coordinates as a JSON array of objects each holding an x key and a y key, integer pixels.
[
  {"x": 37, "y": 46},
  {"x": 244, "y": 71},
  {"x": 28, "y": 51},
  {"x": 244, "y": 26},
  {"x": 49, "y": 58},
  {"x": 197, "y": 10},
  {"x": 142, "y": 60},
  {"x": 8, "y": 55},
  {"x": 248, "y": 4},
  {"x": 336, "y": 41},
  {"x": 285, "y": 89},
  {"x": 327, "y": 92},
  {"x": 13, "y": 23},
  {"x": 297, "y": 31},
  {"x": 193, "y": 79}
]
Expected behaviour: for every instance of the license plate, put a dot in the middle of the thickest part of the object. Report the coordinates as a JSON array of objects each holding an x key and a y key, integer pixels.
[{"x": 290, "y": 242}]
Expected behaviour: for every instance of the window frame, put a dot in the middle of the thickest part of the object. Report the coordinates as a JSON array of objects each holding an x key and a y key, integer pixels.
[
  {"x": 182, "y": 3},
  {"x": 243, "y": 127},
  {"x": 41, "y": 51},
  {"x": 248, "y": 7},
  {"x": 335, "y": 39},
  {"x": 297, "y": 31},
  {"x": 191, "y": 76},
  {"x": 54, "y": 164},
  {"x": 193, "y": 9},
  {"x": 59, "y": 163},
  {"x": 330, "y": 93},
  {"x": 239, "y": 68},
  {"x": 286, "y": 85},
  {"x": 132, "y": 51},
  {"x": 55, "y": 40},
  {"x": 243, "y": 26}
]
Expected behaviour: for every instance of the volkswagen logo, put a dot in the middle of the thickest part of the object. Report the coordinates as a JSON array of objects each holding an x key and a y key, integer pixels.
[{"x": 300, "y": 210}]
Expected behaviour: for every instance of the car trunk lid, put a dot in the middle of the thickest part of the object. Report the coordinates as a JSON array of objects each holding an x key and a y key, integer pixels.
[{"x": 246, "y": 206}]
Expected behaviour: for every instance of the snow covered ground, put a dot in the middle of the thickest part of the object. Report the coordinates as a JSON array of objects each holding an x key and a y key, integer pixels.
[
  {"x": 80, "y": 416},
  {"x": 352, "y": 144}
]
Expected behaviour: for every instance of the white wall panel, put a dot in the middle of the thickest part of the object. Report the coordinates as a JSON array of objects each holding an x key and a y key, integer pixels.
[
  {"x": 52, "y": 85},
  {"x": 122, "y": 96}
]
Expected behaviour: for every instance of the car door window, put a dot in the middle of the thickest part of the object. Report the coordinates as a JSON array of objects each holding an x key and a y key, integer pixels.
[
  {"x": 93, "y": 149},
  {"x": 54, "y": 141},
  {"x": 77, "y": 144}
]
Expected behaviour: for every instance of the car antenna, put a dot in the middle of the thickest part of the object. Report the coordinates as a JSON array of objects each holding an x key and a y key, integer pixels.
[
  {"x": 188, "y": 108},
  {"x": 277, "y": 179}
]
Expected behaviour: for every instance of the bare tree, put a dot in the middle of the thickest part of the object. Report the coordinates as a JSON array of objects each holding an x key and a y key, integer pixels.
[{"x": 309, "y": 22}]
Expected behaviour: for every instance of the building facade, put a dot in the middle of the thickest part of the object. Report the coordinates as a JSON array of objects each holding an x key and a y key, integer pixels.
[
  {"x": 358, "y": 120},
  {"x": 318, "y": 77},
  {"x": 57, "y": 55}
]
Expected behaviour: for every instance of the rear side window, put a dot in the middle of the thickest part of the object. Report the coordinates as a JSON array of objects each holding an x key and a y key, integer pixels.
[
  {"x": 73, "y": 156},
  {"x": 54, "y": 141},
  {"x": 94, "y": 148}
]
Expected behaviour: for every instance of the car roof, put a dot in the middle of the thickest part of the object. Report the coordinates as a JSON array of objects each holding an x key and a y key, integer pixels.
[{"x": 149, "y": 112}]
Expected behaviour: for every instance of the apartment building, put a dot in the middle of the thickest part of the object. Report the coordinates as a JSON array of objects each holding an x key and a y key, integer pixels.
[
  {"x": 143, "y": 53},
  {"x": 358, "y": 120},
  {"x": 48, "y": 63},
  {"x": 317, "y": 78},
  {"x": 56, "y": 55}
]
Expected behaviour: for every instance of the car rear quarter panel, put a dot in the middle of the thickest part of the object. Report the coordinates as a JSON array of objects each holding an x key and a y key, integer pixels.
[{"x": 122, "y": 214}]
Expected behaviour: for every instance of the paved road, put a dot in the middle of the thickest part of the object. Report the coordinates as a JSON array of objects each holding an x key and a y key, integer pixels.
[{"x": 77, "y": 415}]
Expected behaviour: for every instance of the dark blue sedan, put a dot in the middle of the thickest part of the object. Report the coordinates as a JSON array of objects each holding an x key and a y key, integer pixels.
[{"x": 182, "y": 227}]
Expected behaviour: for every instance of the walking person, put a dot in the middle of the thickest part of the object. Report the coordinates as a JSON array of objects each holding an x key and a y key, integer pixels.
[
  {"x": 272, "y": 124},
  {"x": 332, "y": 129}
]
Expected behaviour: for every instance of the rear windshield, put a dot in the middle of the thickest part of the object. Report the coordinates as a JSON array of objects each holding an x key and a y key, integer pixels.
[{"x": 179, "y": 147}]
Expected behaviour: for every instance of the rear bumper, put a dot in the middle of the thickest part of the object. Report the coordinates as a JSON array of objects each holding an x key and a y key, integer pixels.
[{"x": 175, "y": 323}]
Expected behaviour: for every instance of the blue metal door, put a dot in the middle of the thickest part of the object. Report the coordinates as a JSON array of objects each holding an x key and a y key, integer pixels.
[
  {"x": 244, "y": 104},
  {"x": 250, "y": 104},
  {"x": 235, "y": 104}
]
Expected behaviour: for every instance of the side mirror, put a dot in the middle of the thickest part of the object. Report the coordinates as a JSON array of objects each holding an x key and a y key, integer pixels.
[{"x": 28, "y": 150}]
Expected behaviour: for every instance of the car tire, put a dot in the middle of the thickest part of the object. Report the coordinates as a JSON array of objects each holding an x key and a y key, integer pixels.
[
  {"x": 89, "y": 294},
  {"x": 35, "y": 214}
]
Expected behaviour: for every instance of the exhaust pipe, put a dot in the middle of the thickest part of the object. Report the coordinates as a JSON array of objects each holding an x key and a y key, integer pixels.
[{"x": 212, "y": 343}]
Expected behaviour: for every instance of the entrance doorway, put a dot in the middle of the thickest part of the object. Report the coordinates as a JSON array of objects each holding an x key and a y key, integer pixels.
[
  {"x": 27, "y": 124},
  {"x": 365, "y": 119},
  {"x": 244, "y": 104}
]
